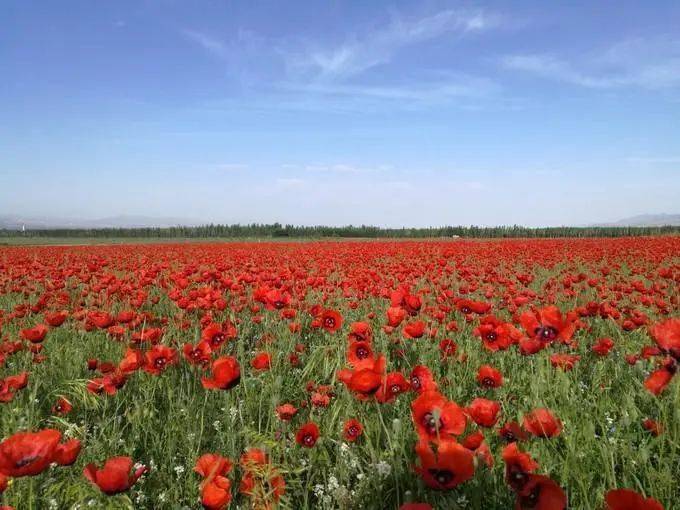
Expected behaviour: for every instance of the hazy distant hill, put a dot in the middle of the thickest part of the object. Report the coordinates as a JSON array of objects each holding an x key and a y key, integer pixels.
[
  {"x": 645, "y": 220},
  {"x": 15, "y": 222}
]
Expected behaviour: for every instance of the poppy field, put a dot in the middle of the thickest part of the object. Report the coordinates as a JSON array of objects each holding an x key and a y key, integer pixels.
[{"x": 443, "y": 374}]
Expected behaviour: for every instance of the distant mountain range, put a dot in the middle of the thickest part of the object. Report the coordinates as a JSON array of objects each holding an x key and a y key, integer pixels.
[
  {"x": 645, "y": 220},
  {"x": 15, "y": 222}
]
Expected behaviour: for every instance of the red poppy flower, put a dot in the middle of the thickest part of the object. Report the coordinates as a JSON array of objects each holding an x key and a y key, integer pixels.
[
  {"x": 66, "y": 453},
  {"x": 603, "y": 346},
  {"x": 307, "y": 435},
  {"x": 540, "y": 493},
  {"x": 511, "y": 432},
  {"x": 395, "y": 315},
  {"x": 133, "y": 360},
  {"x": 352, "y": 430},
  {"x": 331, "y": 320},
  {"x": 451, "y": 464},
  {"x": 9, "y": 386},
  {"x": 56, "y": 319},
  {"x": 216, "y": 493},
  {"x": 564, "y": 361},
  {"x": 422, "y": 380},
  {"x": 360, "y": 355},
  {"x": 36, "y": 334},
  {"x": 360, "y": 332},
  {"x": 467, "y": 306},
  {"x": 62, "y": 407},
  {"x": 366, "y": 381},
  {"x": 115, "y": 476},
  {"x": 484, "y": 412},
  {"x": 496, "y": 334},
  {"x": 159, "y": 358},
  {"x": 414, "y": 329},
  {"x": 261, "y": 361},
  {"x": 435, "y": 417},
  {"x": 489, "y": 377},
  {"x": 547, "y": 325},
  {"x": 226, "y": 373},
  {"x": 210, "y": 465},
  {"x": 667, "y": 336},
  {"x": 658, "y": 380},
  {"x": 415, "y": 506},
  {"x": 392, "y": 385},
  {"x": 102, "y": 320},
  {"x": 28, "y": 453},
  {"x": 197, "y": 355},
  {"x": 286, "y": 412},
  {"x": 517, "y": 466},
  {"x": 626, "y": 499},
  {"x": 652, "y": 426},
  {"x": 542, "y": 423}
]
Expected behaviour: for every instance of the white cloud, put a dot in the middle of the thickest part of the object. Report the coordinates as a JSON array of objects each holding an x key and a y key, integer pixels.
[
  {"x": 360, "y": 53},
  {"x": 209, "y": 43},
  {"x": 648, "y": 63}
]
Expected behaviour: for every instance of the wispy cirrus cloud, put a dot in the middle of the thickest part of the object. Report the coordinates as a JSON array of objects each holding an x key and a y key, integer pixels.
[
  {"x": 361, "y": 52},
  {"x": 644, "y": 63},
  {"x": 209, "y": 43}
]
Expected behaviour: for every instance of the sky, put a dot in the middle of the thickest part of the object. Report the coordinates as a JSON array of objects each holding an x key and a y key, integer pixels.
[{"x": 395, "y": 113}]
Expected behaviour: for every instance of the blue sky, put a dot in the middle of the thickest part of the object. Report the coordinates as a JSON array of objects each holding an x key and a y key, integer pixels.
[{"x": 308, "y": 112}]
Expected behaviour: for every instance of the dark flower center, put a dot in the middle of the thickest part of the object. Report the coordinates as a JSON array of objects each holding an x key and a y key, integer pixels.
[
  {"x": 26, "y": 461},
  {"x": 362, "y": 353},
  {"x": 546, "y": 333},
  {"x": 159, "y": 363},
  {"x": 443, "y": 476},
  {"x": 431, "y": 424},
  {"x": 308, "y": 439},
  {"x": 465, "y": 310},
  {"x": 491, "y": 337},
  {"x": 415, "y": 382}
]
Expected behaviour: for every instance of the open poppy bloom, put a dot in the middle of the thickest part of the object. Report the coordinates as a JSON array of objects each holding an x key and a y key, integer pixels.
[
  {"x": 435, "y": 417},
  {"x": 115, "y": 476},
  {"x": 352, "y": 430},
  {"x": 307, "y": 435},
  {"x": 9, "y": 386},
  {"x": 364, "y": 382},
  {"x": 626, "y": 499},
  {"x": 495, "y": 334},
  {"x": 484, "y": 412},
  {"x": 659, "y": 379},
  {"x": 667, "y": 336},
  {"x": 28, "y": 453},
  {"x": 226, "y": 373},
  {"x": 540, "y": 493},
  {"x": 159, "y": 358},
  {"x": 331, "y": 320},
  {"x": 517, "y": 466},
  {"x": 360, "y": 332},
  {"x": 286, "y": 412},
  {"x": 547, "y": 325},
  {"x": 450, "y": 465},
  {"x": 360, "y": 355},
  {"x": 261, "y": 361},
  {"x": 489, "y": 377},
  {"x": 215, "y": 488},
  {"x": 421, "y": 379},
  {"x": 542, "y": 423},
  {"x": 36, "y": 334},
  {"x": 393, "y": 385}
]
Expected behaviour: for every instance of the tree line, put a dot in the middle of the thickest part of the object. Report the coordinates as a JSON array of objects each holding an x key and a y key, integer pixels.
[{"x": 277, "y": 230}]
